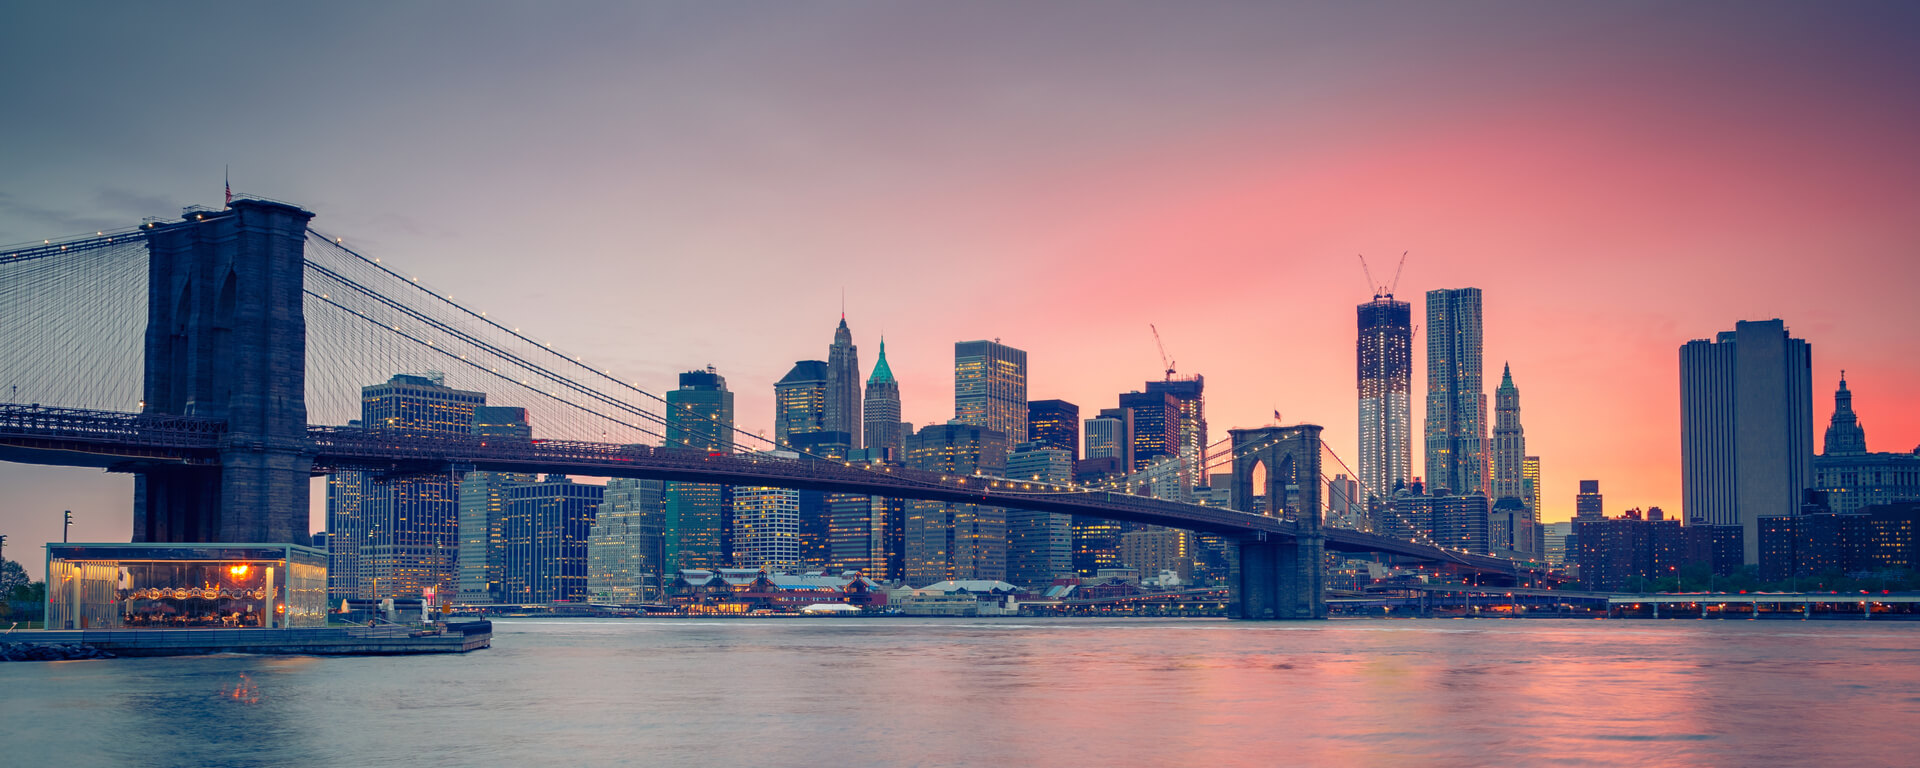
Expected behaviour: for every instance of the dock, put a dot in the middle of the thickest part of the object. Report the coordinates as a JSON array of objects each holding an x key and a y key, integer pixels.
[{"x": 386, "y": 640}]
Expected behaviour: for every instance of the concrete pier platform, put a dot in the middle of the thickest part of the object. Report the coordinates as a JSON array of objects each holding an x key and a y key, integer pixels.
[{"x": 453, "y": 637}]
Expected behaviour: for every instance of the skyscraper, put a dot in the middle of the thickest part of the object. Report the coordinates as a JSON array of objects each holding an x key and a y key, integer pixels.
[
  {"x": 1156, "y": 426},
  {"x": 1746, "y": 427},
  {"x": 627, "y": 545},
  {"x": 800, "y": 401},
  {"x": 990, "y": 388},
  {"x": 1509, "y": 444},
  {"x": 766, "y": 527},
  {"x": 699, "y": 418},
  {"x": 1385, "y": 373},
  {"x": 1039, "y": 544},
  {"x": 407, "y": 537},
  {"x": 883, "y": 430},
  {"x": 1189, "y": 395},
  {"x": 1110, "y": 436},
  {"x": 1589, "y": 502},
  {"x": 843, "y": 385},
  {"x": 1456, "y": 427},
  {"x": 945, "y": 540},
  {"x": 482, "y": 497},
  {"x": 546, "y": 530},
  {"x": 1530, "y": 470},
  {"x": 1055, "y": 423}
]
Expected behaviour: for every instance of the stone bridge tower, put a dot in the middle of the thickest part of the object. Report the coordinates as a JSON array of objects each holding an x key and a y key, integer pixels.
[
  {"x": 1279, "y": 578},
  {"x": 227, "y": 339}
]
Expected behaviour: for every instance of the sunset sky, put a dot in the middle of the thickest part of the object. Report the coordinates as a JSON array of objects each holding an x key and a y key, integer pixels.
[{"x": 664, "y": 186}]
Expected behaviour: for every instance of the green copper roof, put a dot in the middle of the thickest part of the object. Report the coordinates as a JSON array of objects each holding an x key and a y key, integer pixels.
[
  {"x": 881, "y": 373},
  {"x": 1506, "y": 376}
]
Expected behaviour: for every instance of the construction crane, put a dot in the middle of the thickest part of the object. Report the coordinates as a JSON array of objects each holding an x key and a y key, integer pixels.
[
  {"x": 1164, "y": 360},
  {"x": 1383, "y": 291}
]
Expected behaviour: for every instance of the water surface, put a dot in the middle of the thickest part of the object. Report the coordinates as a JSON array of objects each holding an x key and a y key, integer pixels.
[{"x": 992, "y": 692}]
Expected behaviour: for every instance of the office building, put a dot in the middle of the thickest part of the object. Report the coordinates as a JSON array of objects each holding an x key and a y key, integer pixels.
[
  {"x": 1589, "y": 502},
  {"x": 800, "y": 402},
  {"x": 1746, "y": 427},
  {"x": 1385, "y": 378},
  {"x": 1039, "y": 544},
  {"x": 1530, "y": 474},
  {"x": 699, "y": 418},
  {"x": 990, "y": 388},
  {"x": 546, "y": 528},
  {"x": 843, "y": 385},
  {"x": 884, "y": 433},
  {"x": 1456, "y": 423},
  {"x": 1509, "y": 442},
  {"x": 1055, "y": 423},
  {"x": 945, "y": 540},
  {"x": 866, "y": 534},
  {"x": 1556, "y": 542},
  {"x": 1853, "y": 478},
  {"x": 1156, "y": 426},
  {"x": 1190, "y": 409},
  {"x": 766, "y": 527},
  {"x": 628, "y": 545},
  {"x": 482, "y": 498},
  {"x": 1110, "y": 436},
  {"x": 405, "y": 541}
]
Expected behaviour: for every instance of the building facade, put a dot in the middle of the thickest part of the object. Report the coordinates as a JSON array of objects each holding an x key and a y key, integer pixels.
[
  {"x": 1055, "y": 423},
  {"x": 628, "y": 545},
  {"x": 1746, "y": 427},
  {"x": 1456, "y": 423},
  {"x": 800, "y": 402},
  {"x": 990, "y": 388},
  {"x": 547, "y": 527},
  {"x": 1189, "y": 395},
  {"x": 883, "y": 434},
  {"x": 843, "y": 385},
  {"x": 406, "y": 540},
  {"x": 1384, "y": 369},
  {"x": 1039, "y": 544},
  {"x": 766, "y": 527},
  {"x": 1853, "y": 478},
  {"x": 699, "y": 418},
  {"x": 945, "y": 540}
]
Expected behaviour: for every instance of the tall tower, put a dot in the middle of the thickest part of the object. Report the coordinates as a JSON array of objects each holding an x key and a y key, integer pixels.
[
  {"x": 1844, "y": 434},
  {"x": 802, "y": 401},
  {"x": 700, "y": 418},
  {"x": 1530, "y": 470},
  {"x": 1056, "y": 423},
  {"x": 1456, "y": 428},
  {"x": 1509, "y": 441},
  {"x": 1746, "y": 427},
  {"x": 843, "y": 385},
  {"x": 882, "y": 414},
  {"x": 1385, "y": 374},
  {"x": 410, "y": 525},
  {"x": 990, "y": 388},
  {"x": 1589, "y": 502}
]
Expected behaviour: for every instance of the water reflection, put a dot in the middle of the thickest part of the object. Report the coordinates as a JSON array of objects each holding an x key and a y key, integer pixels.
[{"x": 1007, "y": 692}]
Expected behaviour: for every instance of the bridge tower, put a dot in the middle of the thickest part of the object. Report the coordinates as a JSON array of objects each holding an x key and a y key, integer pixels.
[
  {"x": 226, "y": 339},
  {"x": 1279, "y": 578}
]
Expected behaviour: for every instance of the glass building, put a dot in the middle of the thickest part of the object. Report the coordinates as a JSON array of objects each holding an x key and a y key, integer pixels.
[
  {"x": 1055, "y": 423},
  {"x": 990, "y": 388},
  {"x": 800, "y": 402},
  {"x": 1456, "y": 426},
  {"x": 699, "y": 418},
  {"x": 160, "y": 586}
]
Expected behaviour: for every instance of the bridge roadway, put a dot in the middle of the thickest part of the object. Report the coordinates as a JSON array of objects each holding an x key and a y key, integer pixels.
[{"x": 127, "y": 442}]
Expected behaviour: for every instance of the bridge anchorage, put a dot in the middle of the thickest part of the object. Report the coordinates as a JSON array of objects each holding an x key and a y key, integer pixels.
[{"x": 222, "y": 450}]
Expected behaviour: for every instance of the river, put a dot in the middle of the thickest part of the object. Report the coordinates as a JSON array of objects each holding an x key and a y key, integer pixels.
[{"x": 1002, "y": 692}]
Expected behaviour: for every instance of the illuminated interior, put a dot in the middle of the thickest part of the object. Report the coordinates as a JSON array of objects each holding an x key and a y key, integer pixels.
[{"x": 185, "y": 586}]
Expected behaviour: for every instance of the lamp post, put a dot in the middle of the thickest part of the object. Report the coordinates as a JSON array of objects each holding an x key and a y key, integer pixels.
[{"x": 67, "y": 526}]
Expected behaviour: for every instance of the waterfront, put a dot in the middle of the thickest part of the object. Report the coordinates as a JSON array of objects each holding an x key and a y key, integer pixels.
[{"x": 1009, "y": 692}]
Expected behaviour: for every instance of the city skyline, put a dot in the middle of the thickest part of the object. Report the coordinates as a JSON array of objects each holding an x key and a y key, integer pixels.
[{"x": 1643, "y": 230}]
